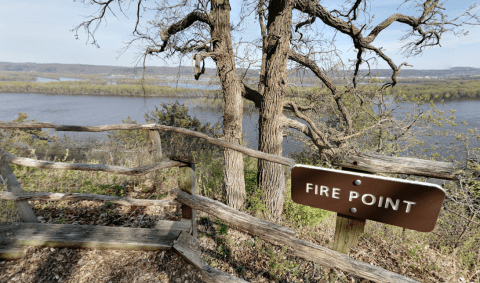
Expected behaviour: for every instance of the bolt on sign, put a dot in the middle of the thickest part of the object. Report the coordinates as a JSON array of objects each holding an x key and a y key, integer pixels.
[{"x": 408, "y": 204}]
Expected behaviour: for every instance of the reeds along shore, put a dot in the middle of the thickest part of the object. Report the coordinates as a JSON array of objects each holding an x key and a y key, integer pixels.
[
  {"x": 99, "y": 84},
  {"x": 86, "y": 88}
]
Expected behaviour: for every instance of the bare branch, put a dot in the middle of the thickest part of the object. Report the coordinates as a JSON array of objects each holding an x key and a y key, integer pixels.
[
  {"x": 179, "y": 26},
  {"x": 306, "y": 22},
  {"x": 363, "y": 131},
  {"x": 308, "y": 63},
  {"x": 319, "y": 138},
  {"x": 317, "y": 10},
  {"x": 411, "y": 21},
  {"x": 354, "y": 9},
  {"x": 98, "y": 20},
  {"x": 429, "y": 27},
  {"x": 288, "y": 106},
  {"x": 138, "y": 17},
  {"x": 252, "y": 95}
]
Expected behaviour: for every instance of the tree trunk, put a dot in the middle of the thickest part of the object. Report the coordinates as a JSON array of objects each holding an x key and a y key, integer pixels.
[
  {"x": 271, "y": 177},
  {"x": 233, "y": 112}
]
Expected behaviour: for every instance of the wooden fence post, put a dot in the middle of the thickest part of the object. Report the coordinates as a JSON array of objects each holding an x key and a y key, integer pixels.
[
  {"x": 24, "y": 209},
  {"x": 187, "y": 184},
  {"x": 155, "y": 138},
  {"x": 347, "y": 229}
]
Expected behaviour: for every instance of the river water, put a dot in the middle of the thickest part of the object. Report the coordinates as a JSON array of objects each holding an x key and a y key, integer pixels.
[{"x": 102, "y": 110}]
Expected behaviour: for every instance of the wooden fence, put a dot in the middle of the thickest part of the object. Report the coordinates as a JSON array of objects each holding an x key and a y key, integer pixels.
[{"x": 179, "y": 235}]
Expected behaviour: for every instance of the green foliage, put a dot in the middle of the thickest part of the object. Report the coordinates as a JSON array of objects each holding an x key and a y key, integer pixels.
[
  {"x": 468, "y": 253},
  {"x": 20, "y": 141},
  {"x": 129, "y": 139},
  {"x": 255, "y": 195},
  {"x": 222, "y": 239},
  {"x": 8, "y": 210},
  {"x": 222, "y": 228},
  {"x": 210, "y": 174},
  {"x": 178, "y": 145},
  {"x": 29, "y": 142},
  {"x": 278, "y": 262},
  {"x": 302, "y": 215},
  {"x": 255, "y": 203}
]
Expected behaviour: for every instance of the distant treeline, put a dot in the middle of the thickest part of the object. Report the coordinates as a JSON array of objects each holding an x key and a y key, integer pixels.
[{"x": 87, "y": 88}]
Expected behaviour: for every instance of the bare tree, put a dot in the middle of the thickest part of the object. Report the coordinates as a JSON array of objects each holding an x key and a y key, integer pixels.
[
  {"x": 289, "y": 37},
  {"x": 201, "y": 29},
  {"x": 281, "y": 44}
]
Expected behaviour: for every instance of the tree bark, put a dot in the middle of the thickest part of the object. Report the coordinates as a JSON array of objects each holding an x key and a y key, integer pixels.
[
  {"x": 271, "y": 178},
  {"x": 233, "y": 111}
]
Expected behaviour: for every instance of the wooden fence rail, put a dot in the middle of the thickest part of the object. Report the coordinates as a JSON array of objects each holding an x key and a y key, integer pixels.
[
  {"x": 376, "y": 163},
  {"x": 104, "y": 128},
  {"x": 373, "y": 163},
  {"x": 286, "y": 236},
  {"x": 89, "y": 197},
  {"x": 8, "y": 178},
  {"x": 89, "y": 167},
  {"x": 186, "y": 245}
]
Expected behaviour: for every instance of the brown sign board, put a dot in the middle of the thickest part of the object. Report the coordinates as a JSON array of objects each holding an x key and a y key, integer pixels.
[{"x": 409, "y": 204}]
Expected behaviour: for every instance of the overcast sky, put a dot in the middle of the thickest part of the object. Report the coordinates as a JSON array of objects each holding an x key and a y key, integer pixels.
[{"x": 40, "y": 32}]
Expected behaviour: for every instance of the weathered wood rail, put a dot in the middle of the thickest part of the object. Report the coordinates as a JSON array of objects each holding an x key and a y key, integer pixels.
[
  {"x": 176, "y": 234},
  {"x": 24, "y": 209},
  {"x": 90, "y": 236},
  {"x": 375, "y": 163},
  {"x": 285, "y": 236},
  {"x": 90, "y": 167},
  {"x": 104, "y": 128},
  {"x": 90, "y": 197}
]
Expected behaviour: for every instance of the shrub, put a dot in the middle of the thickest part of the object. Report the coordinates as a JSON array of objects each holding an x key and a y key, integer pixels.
[
  {"x": 302, "y": 215},
  {"x": 178, "y": 145}
]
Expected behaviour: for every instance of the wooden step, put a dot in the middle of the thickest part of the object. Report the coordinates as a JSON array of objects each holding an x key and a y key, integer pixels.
[{"x": 89, "y": 236}]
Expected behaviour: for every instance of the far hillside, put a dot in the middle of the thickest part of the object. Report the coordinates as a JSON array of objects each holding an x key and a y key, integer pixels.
[
  {"x": 450, "y": 84},
  {"x": 188, "y": 70}
]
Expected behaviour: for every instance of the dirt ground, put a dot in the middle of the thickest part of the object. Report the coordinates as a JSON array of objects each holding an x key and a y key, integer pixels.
[
  {"x": 223, "y": 248},
  {"x": 43, "y": 264}
]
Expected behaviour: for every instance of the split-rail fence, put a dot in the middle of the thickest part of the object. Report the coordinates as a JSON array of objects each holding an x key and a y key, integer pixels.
[{"x": 179, "y": 235}]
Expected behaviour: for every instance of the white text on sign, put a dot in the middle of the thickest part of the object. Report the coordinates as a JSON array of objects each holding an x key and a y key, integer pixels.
[{"x": 367, "y": 199}]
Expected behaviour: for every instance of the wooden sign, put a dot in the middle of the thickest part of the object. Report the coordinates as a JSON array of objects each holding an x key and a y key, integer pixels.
[{"x": 404, "y": 203}]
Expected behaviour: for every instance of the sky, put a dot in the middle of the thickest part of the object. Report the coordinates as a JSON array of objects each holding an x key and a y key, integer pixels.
[{"x": 40, "y": 32}]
